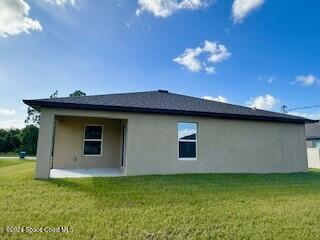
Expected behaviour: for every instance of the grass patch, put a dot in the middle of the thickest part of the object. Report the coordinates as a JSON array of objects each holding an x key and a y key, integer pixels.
[
  {"x": 12, "y": 154},
  {"x": 9, "y": 154},
  {"x": 9, "y": 162},
  {"x": 196, "y": 206}
]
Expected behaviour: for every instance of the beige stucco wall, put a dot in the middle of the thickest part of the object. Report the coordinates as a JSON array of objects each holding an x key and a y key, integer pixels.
[
  {"x": 223, "y": 145},
  {"x": 313, "y": 157},
  {"x": 68, "y": 144}
]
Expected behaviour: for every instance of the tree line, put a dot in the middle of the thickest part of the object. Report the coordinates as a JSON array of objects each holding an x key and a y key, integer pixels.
[{"x": 16, "y": 140}]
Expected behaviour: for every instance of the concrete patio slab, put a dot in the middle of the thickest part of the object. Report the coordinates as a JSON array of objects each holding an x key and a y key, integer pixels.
[{"x": 85, "y": 172}]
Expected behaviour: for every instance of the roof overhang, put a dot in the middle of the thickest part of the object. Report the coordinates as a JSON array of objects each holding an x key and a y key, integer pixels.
[
  {"x": 38, "y": 104},
  {"x": 313, "y": 137}
]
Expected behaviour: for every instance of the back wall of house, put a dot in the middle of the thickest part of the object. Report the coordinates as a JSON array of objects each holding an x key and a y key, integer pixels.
[
  {"x": 224, "y": 145},
  {"x": 68, "y": 144}
]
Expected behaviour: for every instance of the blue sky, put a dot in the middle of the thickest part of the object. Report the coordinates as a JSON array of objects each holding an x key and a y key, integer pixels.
[{"x": 249, "y": 52}]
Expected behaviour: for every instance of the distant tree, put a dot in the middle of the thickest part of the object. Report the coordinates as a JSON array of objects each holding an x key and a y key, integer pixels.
[
  {"x": 55, "y": 94},
  {"x": 33, "y": 115},
  {"x": 29, "y": 138},
  {"x": 3, "y": 140},
  {"x": 13, "y": 141},
  {"x": 77, "y": 93}
]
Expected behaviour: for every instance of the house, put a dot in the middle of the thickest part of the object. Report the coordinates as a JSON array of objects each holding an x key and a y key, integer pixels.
[
  {"x": 159, "y": 132},
  {"x": 313, "y": 135},
  {"x": 313, "y": 144}
]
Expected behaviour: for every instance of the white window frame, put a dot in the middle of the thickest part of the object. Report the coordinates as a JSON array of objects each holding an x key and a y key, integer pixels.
[
  {"x": 93, "y": 140},
  {"x": 188, "y": 140}
]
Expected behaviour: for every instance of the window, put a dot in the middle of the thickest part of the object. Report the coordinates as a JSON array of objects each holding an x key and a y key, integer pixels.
[
  {"x": 316, "y": 143},
  {"x": 187, "y": 141},
  {"x": 93, "y": 140}
]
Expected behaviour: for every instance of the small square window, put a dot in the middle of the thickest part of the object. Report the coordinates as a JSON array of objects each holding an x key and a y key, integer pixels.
[
  {"x": 93, "y": 132},
  {"x": 187, "y": 149},
  {"x": 92, "y": 148}
]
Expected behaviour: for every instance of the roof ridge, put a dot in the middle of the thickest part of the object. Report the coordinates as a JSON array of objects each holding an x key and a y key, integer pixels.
[
  {"x": 168, "y": 92},
  {"x": 97, "y": 95}
]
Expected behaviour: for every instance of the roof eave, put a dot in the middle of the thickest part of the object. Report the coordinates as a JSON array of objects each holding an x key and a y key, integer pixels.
[
  {"x": 38, "y": 104},
  {"x": 312, "y": 137}
]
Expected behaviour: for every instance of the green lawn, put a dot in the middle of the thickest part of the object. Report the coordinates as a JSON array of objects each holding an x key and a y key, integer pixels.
[
  {"x": 9, "y": 154},
  {"x": 210, "y": 206}
]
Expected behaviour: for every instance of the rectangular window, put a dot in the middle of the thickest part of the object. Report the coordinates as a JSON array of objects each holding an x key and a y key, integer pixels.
[
  {"x": 93, "y": 140},
  {"x": 316, "y": 143},
  {"x": 187, "y": 139}
]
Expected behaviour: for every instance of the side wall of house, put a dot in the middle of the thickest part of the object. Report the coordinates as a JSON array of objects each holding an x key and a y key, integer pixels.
[
  {"x": 45, "y": 143},
  {"x": 223, "y": 145}
]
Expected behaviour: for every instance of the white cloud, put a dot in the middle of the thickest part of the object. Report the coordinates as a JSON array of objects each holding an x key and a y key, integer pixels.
[
  {"x": 62, "y": 2},
  {"x": 218, "y": 52},
  {"x": 210, "y": 70},
  {"x": 215, "y": 51},
  {"x": 189, "y": 59},
  {"x": 241, "y": 8},
  {"x": 7, "y": 112},
  {"x": 165, "y": 8},
  {"x": 307, "y": 80},
  {"x": 268, "y": 79},
  {"x": 265, "y": 102},
  {"x": 315, "y": 116},
  {"x": 12, "y": 123},
  {"x": 208, "y": 98},
  {"x": 14, "y": 18},
  {"x": 218, "y": 98}
]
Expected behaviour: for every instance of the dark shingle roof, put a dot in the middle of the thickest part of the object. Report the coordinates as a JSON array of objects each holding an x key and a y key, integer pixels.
[
  {"x": 313, "y": 130},
  {"x": 163, "y": 102}
]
